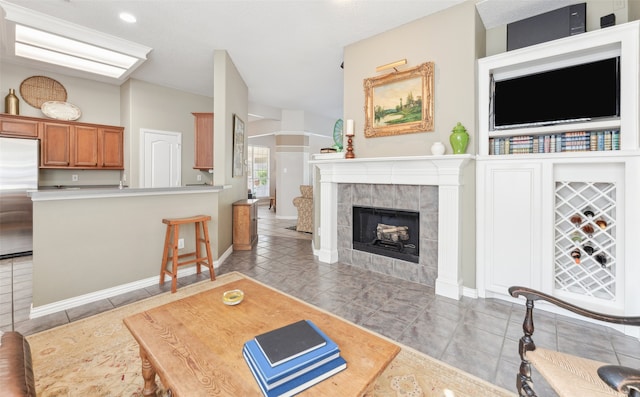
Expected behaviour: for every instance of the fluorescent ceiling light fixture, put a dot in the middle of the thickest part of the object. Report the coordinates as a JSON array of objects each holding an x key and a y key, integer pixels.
[
  {"x": 72, "y": 48},
  {"x": 57, "y": 58},
  {"x": 51, "y": 40}
]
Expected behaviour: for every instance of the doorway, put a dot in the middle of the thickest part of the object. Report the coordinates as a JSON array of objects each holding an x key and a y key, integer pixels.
[
  {"x": 259, "y": 175},
  {"x": 160, "y": 158}
]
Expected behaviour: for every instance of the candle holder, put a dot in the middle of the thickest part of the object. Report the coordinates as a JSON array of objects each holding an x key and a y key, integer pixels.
[{"x": 350, "y": 154}]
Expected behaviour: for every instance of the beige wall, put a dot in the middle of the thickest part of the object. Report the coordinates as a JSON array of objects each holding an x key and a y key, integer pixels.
[
  {"x": 448, "y": 39},
  {"x": 634, "y": 10},
  {"x": 120, "y": 240},
  {"x": 98, "y": 103},
  {"x": 429, "y": 39},
  {"x": 87, "y": 245},
  {"x": 134, "y": 105},
  {"x": 232, "y": 93},
  {"x": 149, "y": 106}
]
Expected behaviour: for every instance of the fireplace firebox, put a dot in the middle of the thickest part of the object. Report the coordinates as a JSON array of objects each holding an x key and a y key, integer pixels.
[{"x": 385, "y": 231}]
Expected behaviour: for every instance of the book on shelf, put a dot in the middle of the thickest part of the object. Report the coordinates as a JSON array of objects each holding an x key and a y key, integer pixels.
[
  {"x": 576, "y": 141},
  {"x": 299, "y": 383},
  {"x": 288, "y": 342},
  {"x": 272, "y": 377}
]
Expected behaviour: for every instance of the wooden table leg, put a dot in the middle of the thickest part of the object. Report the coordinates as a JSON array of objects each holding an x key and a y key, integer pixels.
[{"x": 149, "y": 375}]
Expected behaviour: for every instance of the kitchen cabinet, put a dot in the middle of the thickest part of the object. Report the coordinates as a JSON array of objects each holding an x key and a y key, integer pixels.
[
  {"x": 245, "y": 224},
  {"x": 81, "y": 145},
  {"x": 110, "y": 143},
  {"x": 203, "y": 141},
  {"x": 85, "y": 146},
  {"x": 17, "y": 126},
  {"x": 55, "y": 145}
]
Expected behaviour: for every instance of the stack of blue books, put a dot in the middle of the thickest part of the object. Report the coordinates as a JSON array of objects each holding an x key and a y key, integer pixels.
[{"x": 292, "y": 358}]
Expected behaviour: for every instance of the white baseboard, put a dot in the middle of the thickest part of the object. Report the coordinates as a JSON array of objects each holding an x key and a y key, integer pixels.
[
  {"x": 76, "y": 301},
  {"x": 470, "y": 292}
]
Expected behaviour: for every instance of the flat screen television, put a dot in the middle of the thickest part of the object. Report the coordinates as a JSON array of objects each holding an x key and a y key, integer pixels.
[{"x": 575, "y": 93}]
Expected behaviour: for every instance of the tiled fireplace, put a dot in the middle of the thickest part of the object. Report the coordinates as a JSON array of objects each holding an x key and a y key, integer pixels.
[
  {"x": 407, "y": 198},
  {"x": 431, "y": 185}
]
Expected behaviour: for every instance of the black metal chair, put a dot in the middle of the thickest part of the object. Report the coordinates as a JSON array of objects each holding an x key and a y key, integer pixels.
[{"x": 571, "y": 376}]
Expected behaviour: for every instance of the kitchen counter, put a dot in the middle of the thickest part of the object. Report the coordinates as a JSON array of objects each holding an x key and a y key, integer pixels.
[
  {"x": 92, "y": 243},
  {"x": 72, "y": 193}
]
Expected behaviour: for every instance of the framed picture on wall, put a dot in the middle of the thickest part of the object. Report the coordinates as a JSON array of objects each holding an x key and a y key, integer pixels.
[
  {"x": 399, "y": 102},
  {"x": 238, "y": 146}
]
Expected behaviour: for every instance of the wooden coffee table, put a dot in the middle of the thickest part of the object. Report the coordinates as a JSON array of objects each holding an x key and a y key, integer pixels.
[{"x": 195, "y": 344}]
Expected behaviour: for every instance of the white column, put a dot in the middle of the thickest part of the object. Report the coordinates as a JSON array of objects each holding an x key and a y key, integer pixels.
[
  {"x": 328, "y": 252},
  {"x": 449, "y": 281}
]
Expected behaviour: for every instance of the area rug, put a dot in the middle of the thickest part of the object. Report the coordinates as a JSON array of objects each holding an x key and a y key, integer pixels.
[{"x": 97, "y": 356}]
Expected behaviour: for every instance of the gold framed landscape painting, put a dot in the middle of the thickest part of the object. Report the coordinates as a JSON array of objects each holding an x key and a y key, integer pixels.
[{"x": 399, "y": 102}]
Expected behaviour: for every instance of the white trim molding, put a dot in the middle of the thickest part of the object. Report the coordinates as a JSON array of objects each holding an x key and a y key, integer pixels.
[{"x": 446, "y": 172}]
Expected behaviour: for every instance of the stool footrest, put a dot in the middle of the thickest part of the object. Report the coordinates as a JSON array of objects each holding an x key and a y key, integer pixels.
[{"x": 203, "y": 260}]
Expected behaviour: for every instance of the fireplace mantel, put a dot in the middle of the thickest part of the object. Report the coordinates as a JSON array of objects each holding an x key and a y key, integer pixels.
[{"x": 446, "y": 172}]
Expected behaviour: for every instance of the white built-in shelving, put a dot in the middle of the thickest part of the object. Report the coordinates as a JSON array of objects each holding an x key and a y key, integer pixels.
[
  {"x": 622, "y": 40},
  {"x": 526, "y": 202}
]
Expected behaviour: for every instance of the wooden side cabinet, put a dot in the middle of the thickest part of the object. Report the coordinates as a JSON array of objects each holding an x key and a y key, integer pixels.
[
  {"x": 203, "y": 141},
  {"x": 245, "y": 224}
]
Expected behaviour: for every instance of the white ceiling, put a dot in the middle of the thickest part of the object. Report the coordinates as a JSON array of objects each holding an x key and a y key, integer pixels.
[{"x": 288, "y": 51}]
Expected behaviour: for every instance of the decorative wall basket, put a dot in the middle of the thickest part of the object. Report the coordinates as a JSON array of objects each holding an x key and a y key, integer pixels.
[{"x": 36, "y": 90}]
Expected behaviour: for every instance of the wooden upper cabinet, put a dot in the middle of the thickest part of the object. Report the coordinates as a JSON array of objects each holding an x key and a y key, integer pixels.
[
  {"x": 85, "y": 146},
  {"x": 55, "y": 145},
  {"x": 69, "y": 144},
  {"x": 111, "y": 147},
  {"x": 81, "y": 145},
  {"x": 17, "y": 126},
  {"x": 203, "y": 141}
]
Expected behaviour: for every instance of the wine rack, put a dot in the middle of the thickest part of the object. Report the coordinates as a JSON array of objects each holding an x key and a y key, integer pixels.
[{"x": 585, "y": 239}]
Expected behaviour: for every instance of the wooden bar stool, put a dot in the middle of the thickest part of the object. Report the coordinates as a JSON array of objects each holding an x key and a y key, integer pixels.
[{"x": 171, "y": 244}]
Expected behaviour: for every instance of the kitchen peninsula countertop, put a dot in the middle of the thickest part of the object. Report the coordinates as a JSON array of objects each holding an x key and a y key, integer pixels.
[{"x": 80, "y": 192}]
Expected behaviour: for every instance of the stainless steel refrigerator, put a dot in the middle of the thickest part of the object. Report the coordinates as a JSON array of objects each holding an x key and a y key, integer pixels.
[{"x": 18, "y": 174}]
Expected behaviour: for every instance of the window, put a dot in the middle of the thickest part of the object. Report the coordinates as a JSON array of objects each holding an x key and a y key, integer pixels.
[{"x": 258, "y": 178}]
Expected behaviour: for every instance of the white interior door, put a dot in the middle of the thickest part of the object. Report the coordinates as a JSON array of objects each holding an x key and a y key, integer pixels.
[{"x": 160, "y": 158}]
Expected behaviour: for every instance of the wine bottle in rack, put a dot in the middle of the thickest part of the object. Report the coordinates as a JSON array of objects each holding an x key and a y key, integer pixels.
[
  {"x": 601, "y": 223},
  {"x": 576, "y": 255},
  {"x": 588, "y": 248},
  {"x": 601, "y": 259},
  {"x": 577, "y": 237},
  {"x": 576, "y": 220}
]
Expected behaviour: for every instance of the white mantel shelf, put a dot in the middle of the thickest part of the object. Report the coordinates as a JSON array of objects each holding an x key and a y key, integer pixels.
[{"x": 446, "y": 172}]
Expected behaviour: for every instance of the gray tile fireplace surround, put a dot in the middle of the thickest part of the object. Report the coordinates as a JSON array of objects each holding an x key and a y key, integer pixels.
[{"x": 423, "y": 199}]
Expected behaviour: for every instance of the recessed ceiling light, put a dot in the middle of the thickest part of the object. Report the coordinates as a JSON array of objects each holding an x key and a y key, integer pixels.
[{"x": 125, "y": 16}]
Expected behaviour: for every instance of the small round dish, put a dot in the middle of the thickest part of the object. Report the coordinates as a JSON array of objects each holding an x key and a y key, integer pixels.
[{"x": 232, "y": 297}]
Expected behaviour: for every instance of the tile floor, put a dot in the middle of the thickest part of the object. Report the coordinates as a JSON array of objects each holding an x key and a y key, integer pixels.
[{"x": 479, "y": 336}]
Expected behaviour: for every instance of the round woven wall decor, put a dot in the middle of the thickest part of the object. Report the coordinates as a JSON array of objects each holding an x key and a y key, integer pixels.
[{"x": 36, "y": 90}]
